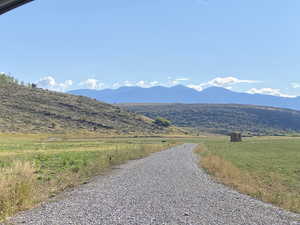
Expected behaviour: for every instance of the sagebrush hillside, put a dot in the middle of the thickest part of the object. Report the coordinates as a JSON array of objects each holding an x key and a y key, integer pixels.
[
  {"x": 223, "y": 119},
  {"x": 30, "y": 109}
]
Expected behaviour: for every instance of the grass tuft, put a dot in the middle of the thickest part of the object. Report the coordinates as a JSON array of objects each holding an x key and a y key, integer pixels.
[{"x": 17, "y": 185}]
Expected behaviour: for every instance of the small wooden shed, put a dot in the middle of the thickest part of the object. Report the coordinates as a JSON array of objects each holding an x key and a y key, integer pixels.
[{"x": 236, "y": 137}]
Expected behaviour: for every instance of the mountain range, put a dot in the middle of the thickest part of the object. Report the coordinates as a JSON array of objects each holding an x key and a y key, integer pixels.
[{"x": 183, "y": 94}]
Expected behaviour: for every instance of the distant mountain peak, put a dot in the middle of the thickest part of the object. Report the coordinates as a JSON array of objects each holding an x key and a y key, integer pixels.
[
  {"x": 214, "y": 88},
  {"x": 179, "y": 86},
  {"x": 183, "y": 94}
]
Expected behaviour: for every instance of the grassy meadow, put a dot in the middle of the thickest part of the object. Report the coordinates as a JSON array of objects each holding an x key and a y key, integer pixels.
[
  {"x": 267, "y": 168},
  {"x": 36, "y": 167}
]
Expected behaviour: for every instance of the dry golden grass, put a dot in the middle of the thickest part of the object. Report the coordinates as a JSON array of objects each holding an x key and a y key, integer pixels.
[
  {"x": 33, "y": 170},
  {"x": 18, "y": 188},
  {"x": 272, "y": 191}
]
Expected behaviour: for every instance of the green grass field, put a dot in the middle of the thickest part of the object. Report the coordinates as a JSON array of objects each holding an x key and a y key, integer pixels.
[
  {"x": 267, "y": 168},
  {"x": 36, "y": 167}
]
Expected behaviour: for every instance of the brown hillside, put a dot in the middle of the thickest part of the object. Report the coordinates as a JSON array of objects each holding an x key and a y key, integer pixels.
[{"x": 24, "y": 109}]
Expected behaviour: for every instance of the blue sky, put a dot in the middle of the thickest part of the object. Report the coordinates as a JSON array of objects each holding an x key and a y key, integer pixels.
[{"x": 250, "y": 46}]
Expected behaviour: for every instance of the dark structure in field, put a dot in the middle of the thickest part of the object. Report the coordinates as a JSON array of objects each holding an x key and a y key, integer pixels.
[
  {"x": 236, "y": 137},
  {"x": 7, "y": 5}
]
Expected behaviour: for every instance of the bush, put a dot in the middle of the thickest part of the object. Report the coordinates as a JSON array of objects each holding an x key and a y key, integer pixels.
[
  {"x": 162, "y": 122},
  {"x": 5, "y": 79}
]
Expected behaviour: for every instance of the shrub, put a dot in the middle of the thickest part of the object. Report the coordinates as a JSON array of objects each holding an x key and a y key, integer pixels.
[
  {"x": 162, "y": 122},
  {"x": 6, "y": 79}
]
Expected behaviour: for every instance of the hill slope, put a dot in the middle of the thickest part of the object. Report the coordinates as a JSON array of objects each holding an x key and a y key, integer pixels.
[
  {"x": 249, "y": 119},
  {"x": 24, "y": 109},
  {"x": 182, "y": 94}
]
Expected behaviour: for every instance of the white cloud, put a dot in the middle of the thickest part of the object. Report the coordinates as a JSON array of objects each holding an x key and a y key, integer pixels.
[
  {"x": 154, "y": 83},
  {"x": 128, "y": 83},
  {"x": 182, "y": 79},
  {"x": 173, "y": 82},
  {"x": 295, "y": 85},
  {"x": 65, "y": 85},
  {"x": 116, "y": 85},
  {"x": 269, "y": 91},
  {"x": 46, "y": 81},
  {"x": 50, "y": 83},
  {"x": 92, "y": 84},
  {"x": 141, "y": 83},
  {"x": 196, "y": 87},
  {"x": 125, "y": 83},
  {"x": 225, "y": 82}
]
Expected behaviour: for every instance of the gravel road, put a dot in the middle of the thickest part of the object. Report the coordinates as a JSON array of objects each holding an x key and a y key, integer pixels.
[{"x": 166, "y": 188}]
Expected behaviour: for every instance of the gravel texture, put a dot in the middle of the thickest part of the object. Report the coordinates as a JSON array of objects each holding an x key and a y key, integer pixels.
[{"x": 166, "y": 188}]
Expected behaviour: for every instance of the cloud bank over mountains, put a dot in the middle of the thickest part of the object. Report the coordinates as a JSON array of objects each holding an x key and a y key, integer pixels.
[
  {"x": 269, "y": 91},
  {"x": 225, "y": 82},
  {"x": 50, "y": 83},
  {"x": 92, "y": 84},
  {"x": 229, "y": 82}
]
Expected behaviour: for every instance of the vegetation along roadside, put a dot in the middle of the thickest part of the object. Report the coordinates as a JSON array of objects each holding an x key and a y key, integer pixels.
[
  {"x": 36, "y": 167},
  {"x": 266, "y": 168}
]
